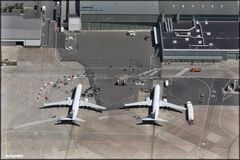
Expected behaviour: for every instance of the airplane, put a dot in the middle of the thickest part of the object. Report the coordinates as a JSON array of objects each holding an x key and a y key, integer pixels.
[
  {"x": 155, "y": 104},
  {"x": 75, "y": 103}
]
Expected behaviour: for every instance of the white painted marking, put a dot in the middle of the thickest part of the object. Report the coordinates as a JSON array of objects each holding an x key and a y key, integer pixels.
[
  {"x": 154, "y": 72},
  {"x": 144, "y": 73},
  {"x": 182, "y": 72},
  {"x": 103, "y": 117}
]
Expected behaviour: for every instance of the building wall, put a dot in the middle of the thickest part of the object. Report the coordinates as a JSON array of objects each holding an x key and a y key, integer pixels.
[
  {"x": 119, "y": 7},
  {"x": 159, "y": 7},
  {"x": 72, "y": 7},
  {"x": 133, "y": 18},
  {"x": 152, "y": 11},
  {"x": 194, "y": 55}
]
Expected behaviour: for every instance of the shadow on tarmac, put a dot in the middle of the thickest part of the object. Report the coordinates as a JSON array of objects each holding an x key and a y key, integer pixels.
[
  {"x": 62, "y": 122},
  {"x": 149, "y": 122}
]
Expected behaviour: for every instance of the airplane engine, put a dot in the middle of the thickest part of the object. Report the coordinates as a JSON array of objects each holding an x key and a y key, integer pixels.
[
  {"x": 69, "y": 98},
  {"x": 165, "y": 99},
  {"x": 71, "y": 114},
  {"x": 147, "y": 99},
  {"x": 85, "y": 99}
]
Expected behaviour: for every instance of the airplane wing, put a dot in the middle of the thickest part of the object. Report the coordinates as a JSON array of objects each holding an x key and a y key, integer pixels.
[
  {"x": 88, "y": 104},
  {"x": 141, "y": 103},
  {"x": 59, "y": 103},
  {"x": 170, "y": 105}
]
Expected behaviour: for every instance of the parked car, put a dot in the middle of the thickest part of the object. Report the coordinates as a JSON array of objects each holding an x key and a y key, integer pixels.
[
  {"x": 120, "y": 82},
  {"x": 166, "y": 83},
  {"x": 97, "y": 90},
  {"x": 10, "y": 62},
  {"x": 195, "y": 69},
  {"x": 132, "y": 33},
  {"x": 68, "y": 48},
  {"x": 69, "y": 38}
]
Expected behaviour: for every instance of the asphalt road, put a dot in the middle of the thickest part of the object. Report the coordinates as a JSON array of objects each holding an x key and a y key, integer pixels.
[
  {"x": 104, "y": 49},
  {"x": 184, "y": 89},
  {"x": 202, "y": 91},
  {"x": 108, "y": 56},
  {"x": 30, "y": 132},
  {"x": 113, "y": 55}
]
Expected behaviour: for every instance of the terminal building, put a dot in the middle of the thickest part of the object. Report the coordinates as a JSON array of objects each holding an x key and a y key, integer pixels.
[
  {"x": 114, "y": 14},
  {"x": 186, "y": 30},
  {"x": 20, "y": 23}
]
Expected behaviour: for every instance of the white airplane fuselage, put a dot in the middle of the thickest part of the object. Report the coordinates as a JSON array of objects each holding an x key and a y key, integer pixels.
[
  {"x": 76, "y": 101},
  {"x": 155, "y": 104},
  {"x": 156, "y": 101}
]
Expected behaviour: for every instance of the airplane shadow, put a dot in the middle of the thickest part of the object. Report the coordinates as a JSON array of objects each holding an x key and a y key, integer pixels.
[
  {"x": 92, "y": 109},
  {"x": 149, "y": 122},
  {"x": 62, "y": 122},
  {"x": 54, "y": 106},
  {"x": 170, "y": 109}
]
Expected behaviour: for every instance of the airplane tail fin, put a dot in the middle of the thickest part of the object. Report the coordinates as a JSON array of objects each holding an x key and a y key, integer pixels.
[
  {"x": 161, "y": 120},
  {"x": 70, "y": 119},
  {"x": 152, "y": 119},
  {"x": 147, "y": 119},
  {"x": 65, "y": 119},
  {"x": 79, "y": 119}
]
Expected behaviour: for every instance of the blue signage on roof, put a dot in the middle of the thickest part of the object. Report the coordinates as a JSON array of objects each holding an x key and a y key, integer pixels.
[{"x": 92, "y": 8}]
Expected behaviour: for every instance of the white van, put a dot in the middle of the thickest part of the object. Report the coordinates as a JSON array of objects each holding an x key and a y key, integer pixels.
[{"x": 132, "y": 33}]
